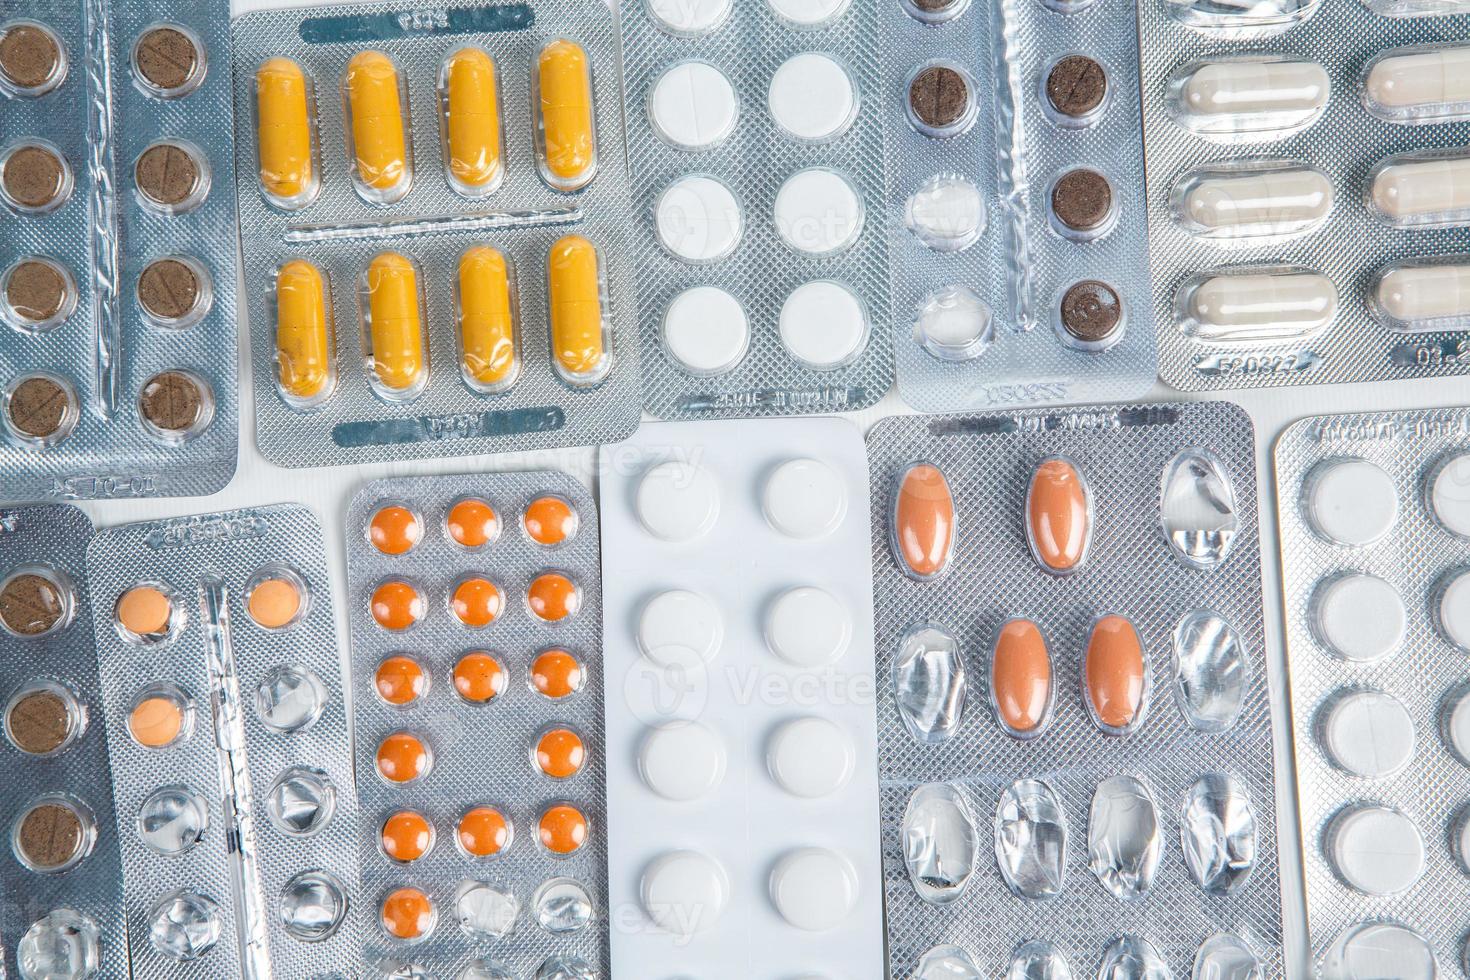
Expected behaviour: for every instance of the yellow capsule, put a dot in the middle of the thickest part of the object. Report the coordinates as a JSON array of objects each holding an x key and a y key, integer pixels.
[
  {"x": 486, "y": 321},
  {"x": 284, "y": 134},
  {"x": 574, "y": 280},
  {"x": 395, "y": 326},
  {"x": 472, "y": 121},
  {"x": 303, "y": 335},
  {"x": 378, "y": 141},
  {"x": 567, "y": 136}
]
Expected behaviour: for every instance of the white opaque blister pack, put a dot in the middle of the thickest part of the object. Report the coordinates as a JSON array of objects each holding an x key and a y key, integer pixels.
[
  {"x": 1375, "y": 555},
  {"x": 742, "y": 776},
  {"x": 117, "y": 270},
  {"x": 1308, "y": 165},
  {"x": 227, "y": 729},
  {"x": 1073, "y": 706}
]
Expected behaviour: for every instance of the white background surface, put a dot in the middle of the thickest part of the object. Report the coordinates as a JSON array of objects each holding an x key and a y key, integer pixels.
[{"x": 328, "y": 490}]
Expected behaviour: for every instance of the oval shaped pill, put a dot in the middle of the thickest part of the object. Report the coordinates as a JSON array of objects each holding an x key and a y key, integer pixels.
[
  {"x": 1426, "y": 193},
  {"x": 1285, "y": 89},
  {"x": 567, "y": 134},
  {"x": 1257, "y": 306},
  {"x": 1021, "y": 678},
  {"x": 395, "y": 324},
  {"x": 1058, "y": 516},
  {"x": 1255, "y": 204},
  {"x": 923, "y": 522},
  {"x": 487, "y": 334},
  {"x": 284, "y": 133},
  {"x": 1421, "y": 294},
  {"x": 1114, "y": 676},
  {"x": 1427, "y": 85},
  {"x": 303, "y": 341},
  {"x": 380, "y": 151},
  {"x": 578, "y": 328},
  {"x": 472, "y": 121}
]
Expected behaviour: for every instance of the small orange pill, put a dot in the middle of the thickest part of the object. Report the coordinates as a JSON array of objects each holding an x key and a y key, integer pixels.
[
  {"x": 274, "y": 602},
  {"x": 407, "y": 836},
  {"x": 156, "y": 722},
  {"x": 554, "y": 597},
  {"x": 560, "y": 753},
  {"x": 563, "y": 828},
  {"x": 402, "y": 757},
  {"x": 483, "y": 832},
  {"x": 556, "y": 674},
  {"x": 397, "y": 605},
  {"x": 395, "y": 529},
  {"x": 145, "y": 611},
  {"x": 477, "y": 602},
  {"x": 472, "y": 523},
  {"x": 550, "y": 521},
  {"x": 400, "y": 680},
  {"x": 478, "y": 677},
  {"x": 407, "y": 914}
]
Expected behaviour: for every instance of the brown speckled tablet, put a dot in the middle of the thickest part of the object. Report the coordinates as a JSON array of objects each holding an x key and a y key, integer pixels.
[
  {"x": 38, "y": 407},
  {"x": 35, "y": 290},
  {"x": 1082, "y": 199},
  {"x": 39, "y": 722},
  {"x": 31, "y": 604},
  {"x": 34, "y": 176},
  {"x": 172, "y": 401},
  {"x": 29, "y": 56},
  {"x": 1091, "y": 312},
  {"x": 166, "y": 58},
  {"x": 939, "y": 96},
  {"x": 50, "y": 836},
  {"x": 167, "y": 174},
  {"x": 168, "y": 289},
  {"x": 1076, "y": 85}
]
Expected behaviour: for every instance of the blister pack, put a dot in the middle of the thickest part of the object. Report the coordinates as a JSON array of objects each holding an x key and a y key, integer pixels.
[
  {"x": 228, "y": 735},
  {"x": 476, "y": 612},
  {"x": 1375, "y": 561},
  {"x": 1073, "y": 712},
  {"x": 60, "y": 877},
  {"x": 432, "y": 214},
  {"x": 118, "y": 372},
  {"x": 742, "y": 775},
  {"x": 1307, "y": 164}
]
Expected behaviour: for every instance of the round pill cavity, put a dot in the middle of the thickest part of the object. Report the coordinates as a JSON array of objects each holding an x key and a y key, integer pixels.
[
  {"x": 39, "y": 294},
  {"x": 814, "y": 889},
  {"x": 1359, "y": 617},
  {"x": 684, "y": 892},
  {"x": 483, "y": 832},
  {"x": 808, "y": 627},
  {"x": 560, "y": 753},
  {"x": 406, "y": 836},
  {"x": 145, "y": 613},
  {"x": 289, "y": 699},
  {"x": 171, "y": 177},
  {"x": 941, "y": 100},
  {"x": 403, "y": 757},
  {"x": 682, "y": 761},
  {"x": 184, "y": 925},
  {"x": 53, "y": 834},
  {"x": 678, "y": 501},
  {"x": 812, "y": 98},
  {"x": 1378, "y": 851},
  {"x": 557, "y": 674},
  {"x": 1365, "y": 950},
  {"x": 550, "y": 520},
  {"x": 804, "y": 499},
  {"x": 407, "y": 914},
  {"x": 1454, "y": 611},
  {"x": 1457, "y": 727},
  {"x": 174, "y": 292},
  {"x": 395, "y": 529},
  {"x": 809, "y": 13},
  {"x": 1082, "y": 204},
  {"x": 955, "y": 324},
  {"x": 161, "y": 716},
  {"x": 811, "y": 757},
  {"x": 677, "y": 621},
  {"x": 947, "y": 213},
  {"x": 168, "y": 61},
  {"x": 562, "y": 828},
  {"x": 1351, "y": 502},
  {"x": 34, "y": 602},
  {"x": 698, "y": 219},
  {"x": 312, "y": 906},
  {"x": 400, "y": 680},
  {"x": 1076, "y": 87},
  {"x": 706, "y": 331},
  {"x": 1368, "y": 733},
  {"x": 693, "y": 106},
  {"x": 175, "y": 405},
  {"x": 1449, "y": 495},
  {"x": 396, "y": 605},
  {"x": 690, "y": 17},
  {"x": 553, "y": 597},
  {"x": 479, "y": 677},
  {"x": 472, "y": 523},
  {"x": 824, "y": 325},
  {"x": 1091, "y": 316},
  {"x": 43, "y": 718},
  {"x": 818, "y": 212},
  {"x": 32, "y": 60},
  {"x": 172, "y": 819},
  {"x": 35, "y": 177},
  {"x": 276, "y": 598},
  {"x": 476, "y": 602},
  {"x": 301, "y": 801},
  {"x": 41, "y": 409}
]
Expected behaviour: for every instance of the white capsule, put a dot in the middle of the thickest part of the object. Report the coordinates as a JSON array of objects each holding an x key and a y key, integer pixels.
[
  {"x": 1414, "y": 294},
  {"x": 1273, "y": 202},
  {"x": 1251, "y": 88},
  {"x": 1424, "y": 192},
  {"x": 1258, "y": 306},
  {"x": 1421, "y": 80}
]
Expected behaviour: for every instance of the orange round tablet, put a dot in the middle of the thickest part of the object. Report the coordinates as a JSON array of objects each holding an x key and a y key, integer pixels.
[
  {"x": 145, "y": 610},
  {"x": 556, "y": 673},
  {"x": 402, "y": 757},
  {"x": 400, "y": 680},
  {"x": 156, "y": 722},
  {"x": 407, "y": 836},
  {"x": 477, "y": 602},
  {"x": 563, "y": 828},
  {"x": 550, "y": 521},
  {"x": 472, "y": 523},
  {"x": 483, "y": 832},
  {"x": 560, "y": 753},
  {"x": 274, "y": 602},
  {"x": 554, "y": 597},
  {"x": 478, "y": 677},
  {"x": 397, "y": 605},
  {"x": 407, "y": 914},
  {"x": 395, "y": 529}
]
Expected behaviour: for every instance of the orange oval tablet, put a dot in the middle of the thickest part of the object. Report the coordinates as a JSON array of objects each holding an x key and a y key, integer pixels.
[
  {"x": 1058, "y": 516},
  {"x": 274, "y": 602},
  {"x": 156, "y": 722},
  {"x": 472, "y": 523},
  {"x": 395, "y": 529},
  {"x": 550, "y": 521},
  {"x": 479, "y": 677},
  {"x": 560, "y": 753},
  {"x": 553, "y": 597},
  {"x": 407, "y": 914},
  {"x": 145, "y": 611},
  {"x": 1020, "y": 677},
  {"x": 397, "y": 605},
  {"x": 563, "y": 828},
  {"x": 407, "y": 836},
  {"x": 400, "y": 680},
  {"x": 483, "y": 831},
  {"x": 402, "y": 757},
  {"x": 923, "y": 521},
  {"x": 477, "y": 602},
  {"x": 556, "y": 674},
  {"x": 1115, "y": 675}
]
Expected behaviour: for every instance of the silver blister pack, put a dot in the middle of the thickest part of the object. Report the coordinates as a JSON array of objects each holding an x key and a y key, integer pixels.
[
  {"x": 1073, "y": 709},
  {"x": 1375, "y": 546},
  {"x": 60, "y": 875},
  {"x": 1305, "y": 159},
  {"x": 1001, "y": 296},
  {"x": 345, "y": 393},
  {"x": 228, "y": 733},
  {"x": 117, "y": 272},
  {"x": 476, "y": 614}
]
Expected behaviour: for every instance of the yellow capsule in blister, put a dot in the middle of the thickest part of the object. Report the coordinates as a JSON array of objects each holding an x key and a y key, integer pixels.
[
  {"x": 566, "y": 135},
  {"x": 395, "y": 326},
  {"x": 487, "y": 335},
  {"x": 303, "y": 334},
  {"x": 469, "y": 89},
  {"x": 379, "y": 141},
  {"x": 579, "y": 338},
  {"x": 284, "y": 133}
]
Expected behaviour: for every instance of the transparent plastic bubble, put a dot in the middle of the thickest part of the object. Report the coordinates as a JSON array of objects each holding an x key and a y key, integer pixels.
[
  {"x": 947, "y": 963},
  {"x": 396, "y": 970},
  {"x": 929, "y": 684},
  {"x": 1031, "y": 840},
  {"x": 290, "y": 699},
  {"x": 484, "y": 970},
  {"x": 1123, "y": 840},
  {"x": 185, "y": 925},
  {"x": 173, "y": 819},
  {"x": 1218, "y": 833},
  {"x": 1197, "y": 507},
  {"x": 1038, "y": 960},
  {"x": 1227, "y": 957},
  {"x": 301, "y": 801},
  {"x": 941, "y": 843},
  {"x": 1133, "y": 958},
  {"x": 313, "y": 905},
  {"x": 566, "y": 968},
  {"x": 562, "y": 905},
  {"x": 61, "y": 945},
  {"x": 1211, "y": 670},
  {"x": 486, "y": 911}
]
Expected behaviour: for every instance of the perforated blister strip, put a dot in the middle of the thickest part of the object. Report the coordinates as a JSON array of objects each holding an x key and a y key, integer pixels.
[
  {"x": 1131, "y": 571},
  {"x": 340, "y": 232},
  {"x": 184, "y": 554},
  {"x": 1424, "y": 672}
]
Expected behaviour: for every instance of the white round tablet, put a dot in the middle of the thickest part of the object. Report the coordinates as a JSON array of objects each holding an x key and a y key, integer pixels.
[
  {"x": 947, "y": 213},
  {"x": 1359, "y": 617},
  {"x": 824, "y": 325},
  {"x": 812, "y": 98},
  {"x": 1457, "y": 727},
  {"x": 682, "y": 761},
  {"x": 1369, "y": 733},
  {"x": 1454, "y": 610},
  {"x": 808, "y": 627},
  {"x": 706, "y": 331},
  {"x": 955, "y": 324},
  {"x": 809, "y": 13},
  {"x": 679, "y": 620},
  {"x": 818, "y": 212},
  {"x": 684, "y": 892},
  {"x": 698, "y": 219},
  {"x": 690, "y": 17},
  {"x": 814, "y": 888},
  {"x": 1351, "y": 501},
  {"x": 804, "y": 499},
  {"x": 1449, "y": 495},
  {"x": 811, "y": 757},
  {"x": 678, "y": 501},
  {"x": 693, "y": 106},
  {"x": 1378, "y": 851},
  {"x": 1373, "y": 950}
]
